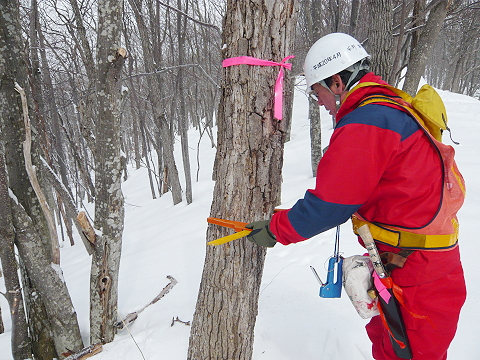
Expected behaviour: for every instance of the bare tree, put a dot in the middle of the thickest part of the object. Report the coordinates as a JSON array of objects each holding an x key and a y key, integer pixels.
[
  {"x": 21, "y": 346},
  {"x": 249, "y": 161},
  {"x": 155, "y": 87},
  {"x": 52, "y": 323},
  {"x": 316, "y": 31},
  {"x": 380, "y": 39},
  {"x": 109, "y": 210},
  {"x": 183, "y": 121},
  {"x": 424, "y": 45}
]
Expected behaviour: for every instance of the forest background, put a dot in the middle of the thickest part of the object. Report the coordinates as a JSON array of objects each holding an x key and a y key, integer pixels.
[{"x": 90, "y": 87}]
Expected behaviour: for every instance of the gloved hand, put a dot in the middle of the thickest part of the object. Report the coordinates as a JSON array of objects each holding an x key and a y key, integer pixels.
[{"x": 261, "y": 234}]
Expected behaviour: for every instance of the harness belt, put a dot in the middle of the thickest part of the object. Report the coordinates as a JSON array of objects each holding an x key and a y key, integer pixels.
[{"x": 405, "y": 239}]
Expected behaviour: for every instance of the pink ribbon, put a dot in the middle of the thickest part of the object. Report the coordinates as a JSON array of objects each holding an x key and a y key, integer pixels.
[
  {"x": 248, "y": 60},
  {"x": 382, "y": 290}
]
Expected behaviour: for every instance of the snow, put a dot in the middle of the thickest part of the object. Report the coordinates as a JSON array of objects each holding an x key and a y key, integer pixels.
[{"x": 293, "y": 321}]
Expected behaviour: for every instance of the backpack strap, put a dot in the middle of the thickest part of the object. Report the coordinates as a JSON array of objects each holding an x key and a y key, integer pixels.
[
  {"x": 400, "y": 93},
  {"x": 399, "y": 102}
]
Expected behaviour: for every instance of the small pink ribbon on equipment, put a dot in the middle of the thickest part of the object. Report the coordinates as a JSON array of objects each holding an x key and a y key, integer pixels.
[
  {"x": 382, "y": 289},
  {"x": 248, "y": 60}
]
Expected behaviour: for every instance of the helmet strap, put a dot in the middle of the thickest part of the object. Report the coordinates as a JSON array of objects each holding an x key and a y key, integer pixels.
[
  {"x": 355, "y": 69},
  {"x": 338, "y": 101}
]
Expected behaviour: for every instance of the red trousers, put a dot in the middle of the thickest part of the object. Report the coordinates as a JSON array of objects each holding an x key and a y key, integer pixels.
[{"x": 441, "y": 299}]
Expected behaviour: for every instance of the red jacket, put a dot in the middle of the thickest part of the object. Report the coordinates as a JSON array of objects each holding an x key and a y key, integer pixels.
[
  {"x": 382, "y": 164},
  {"x": 379, "y": 163}
]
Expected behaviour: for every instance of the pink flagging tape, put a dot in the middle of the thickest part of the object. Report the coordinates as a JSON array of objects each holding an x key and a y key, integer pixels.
[
  {"x": 382, "y": 289},
  {"x": 278, "y": 97}
]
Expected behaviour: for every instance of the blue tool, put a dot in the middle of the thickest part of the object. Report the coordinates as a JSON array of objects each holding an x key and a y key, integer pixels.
[{"x": 332, "y": 289}]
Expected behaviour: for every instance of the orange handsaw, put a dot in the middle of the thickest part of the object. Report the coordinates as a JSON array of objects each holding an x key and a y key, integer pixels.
[{"x": 238, "y": 226}]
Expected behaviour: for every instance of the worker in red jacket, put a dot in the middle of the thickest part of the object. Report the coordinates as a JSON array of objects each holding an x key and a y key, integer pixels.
[{"x": 381, "y": 168}]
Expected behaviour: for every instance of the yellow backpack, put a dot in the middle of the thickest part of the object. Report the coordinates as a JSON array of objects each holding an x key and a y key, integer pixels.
[{"x": 427, "y": 105}]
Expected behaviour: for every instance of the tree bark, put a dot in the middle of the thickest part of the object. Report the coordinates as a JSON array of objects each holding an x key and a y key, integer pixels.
[
  {"x": 48, "y": 280},
  {"x": 421, "y": 53},
  {"x": 315, "y": 134},
  {"x": 249, "y": 162},
  {"x": 313, "y": 107},
  {"x": 13, "y": 69},
  {"x": 352, "y": 27},
  {"x": 380, "y": 39},
  {"x": 109, "y": 210},
  {"x": 397, "y": 49},
  {"x": 183, "y": 121},
  {"x": 21, "y": 345}
]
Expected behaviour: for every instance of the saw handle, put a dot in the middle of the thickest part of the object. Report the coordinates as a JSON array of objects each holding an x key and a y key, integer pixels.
[
  {"x": 235, "y": 225},
  {"x": 367, "y": 238}
]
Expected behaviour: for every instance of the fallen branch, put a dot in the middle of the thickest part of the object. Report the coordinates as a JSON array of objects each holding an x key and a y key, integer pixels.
[
  {"x": 86, "y": 352},
  {"x": 133, "y": 316},
  {"x": 174, "y": 320}
]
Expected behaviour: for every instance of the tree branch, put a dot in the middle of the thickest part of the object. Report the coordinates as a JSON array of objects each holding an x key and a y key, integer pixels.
[
  {"x": 189, "y": 17},
  {"x": 172, "y": 68},
  {"x": 27, "y": 147},
  {"x": 133, "y": 316}
]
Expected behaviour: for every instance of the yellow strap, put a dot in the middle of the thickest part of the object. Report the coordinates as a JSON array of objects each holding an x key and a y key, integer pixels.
[
  {"x": 405, "y": 239},
  {"x": 229, "y": 238},
  {"x": 405, "y": 96}
]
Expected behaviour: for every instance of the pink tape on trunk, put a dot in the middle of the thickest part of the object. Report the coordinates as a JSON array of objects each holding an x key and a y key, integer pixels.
[{"x": 248, "y": 60}]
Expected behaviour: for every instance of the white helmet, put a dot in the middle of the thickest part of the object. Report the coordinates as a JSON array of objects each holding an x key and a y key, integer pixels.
[{"x": 330, "y": 55}]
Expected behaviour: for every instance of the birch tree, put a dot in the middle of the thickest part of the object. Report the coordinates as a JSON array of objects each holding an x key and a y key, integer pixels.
[{"x": 248, "y": 164}]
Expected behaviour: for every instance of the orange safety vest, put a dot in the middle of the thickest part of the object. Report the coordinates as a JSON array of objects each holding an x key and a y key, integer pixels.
[{"x": 442, "y": 231}]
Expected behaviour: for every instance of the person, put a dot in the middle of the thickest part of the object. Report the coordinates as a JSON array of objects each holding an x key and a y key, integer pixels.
[{"x": 384, "y": 170}]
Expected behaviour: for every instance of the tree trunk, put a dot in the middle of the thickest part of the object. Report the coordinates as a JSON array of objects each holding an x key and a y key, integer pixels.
[
  {"x": 315, "y": 134},
  {"x": 109, "y": 210},
  {"x": 352, "y": 27},
  {"x": 87, "y": 124},
  {"x": 313, "y": 107},
  {"x": 21, "y": 346},
  {"x": 13, "y": 69},
  {"x": 380, "y": 39},
  {"x": 48, "y": 280},
  {"x": 249, "y": 162},
  {"x": 421, "y": 53},
  {"x": 183, "y": 121},
  {"x": 154, "y": 90},
  {"x": 397, "y": 50},
  {"x": 146, "y": 153}
]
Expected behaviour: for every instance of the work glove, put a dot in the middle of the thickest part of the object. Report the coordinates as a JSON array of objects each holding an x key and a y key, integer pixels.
[{"x": 261, "y": 234}]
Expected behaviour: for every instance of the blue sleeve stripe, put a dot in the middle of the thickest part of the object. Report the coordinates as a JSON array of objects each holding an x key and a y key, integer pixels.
[
  {"x": 383, "y": 117},
  {"x": 311, "y": 215}
]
